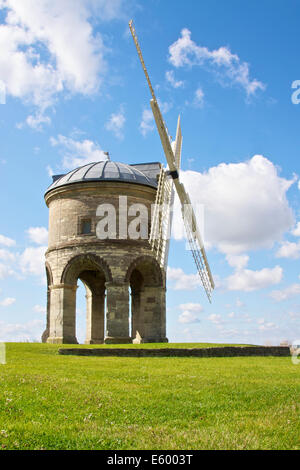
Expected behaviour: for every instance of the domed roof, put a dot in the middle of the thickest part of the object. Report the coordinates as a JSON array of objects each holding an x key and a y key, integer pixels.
[{"x": 103, "y": 171}]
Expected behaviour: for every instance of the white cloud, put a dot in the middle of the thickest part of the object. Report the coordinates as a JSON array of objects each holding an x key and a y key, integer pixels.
[
  {"x": 266, "y": 326},
  {"x": 239, "y": 303},
  {"x": 147, "y": 122},
  {"x": 289, "y": 250},
  {"x": 284, "y": 294},
  {"x": 32, "y": 261},
  {"x": 199, "y": 97},
  {"x": 170, "y": 77},
  {"x": 225, "y": 65},
  {"x": 39, "y": 309},
  {"x": 30, "y": 331},
  {"x": 247, "y": 280},
  {"x": 245, "y": 204},
  {"x": 7, "y": 302},
  {"x": 183, "y": 281},
  {"x": 49, "y": 171},
  {"x": 38, "y": 235},
  {"x": 189, "y": 313},
  {"x": 77, "y": 153},
  {"x": 49, "y": 47},
  {"x": 7, "y": 255},
  {"x": 214, "y": 318},
  {"x": 192, "y": 307},
  {"x": 296, "y": 231},
  {"x": 237, "y": 261},
  {"x": 6, "y": 241},
  {"x": 37, "y": 120},
  {"x": 188, "y": 317},
  {"x": 5, "y": 270},
  {"x": 116, "y": 123},
  {"x": 231, "y": 315}
]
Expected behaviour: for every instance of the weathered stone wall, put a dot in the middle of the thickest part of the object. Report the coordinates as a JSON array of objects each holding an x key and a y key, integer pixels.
[{"x": 225, "y": 351}]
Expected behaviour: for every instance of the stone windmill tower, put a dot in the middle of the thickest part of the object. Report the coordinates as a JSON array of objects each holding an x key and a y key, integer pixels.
[
  {"x": 130, "y": 255},
  {"x": 108, "y": 267}
]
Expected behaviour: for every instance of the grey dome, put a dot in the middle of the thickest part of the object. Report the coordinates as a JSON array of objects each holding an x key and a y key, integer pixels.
[{"x": 103, "y": 171}]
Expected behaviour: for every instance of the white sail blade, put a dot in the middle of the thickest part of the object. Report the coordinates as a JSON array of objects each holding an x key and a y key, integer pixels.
[
  {"x": 192, "y": 231},
  {"x": 177, "y": 155},
  {"x": 160, "y": 225}
]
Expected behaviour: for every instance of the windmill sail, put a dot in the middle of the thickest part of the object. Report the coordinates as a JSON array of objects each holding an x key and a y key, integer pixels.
[
  {"x": 162, "y": 215},
  {"x": 173, "y": 160}
]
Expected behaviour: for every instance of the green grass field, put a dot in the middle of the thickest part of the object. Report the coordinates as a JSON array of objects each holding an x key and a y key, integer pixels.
[{"x": 49, "y": 401}]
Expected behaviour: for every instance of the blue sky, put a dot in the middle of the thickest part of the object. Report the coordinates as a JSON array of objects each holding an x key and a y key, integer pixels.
[{"x": 75, "y": 88}]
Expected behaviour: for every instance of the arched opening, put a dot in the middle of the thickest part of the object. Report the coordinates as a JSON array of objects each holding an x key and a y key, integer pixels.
[
  {"x": 136, "y": 286},
  {"x": 94, "y": 283},
  {"x": 93, "y": 274},
  {"x": 147, "y": 288},
  {"x": 81, "y": 311}
]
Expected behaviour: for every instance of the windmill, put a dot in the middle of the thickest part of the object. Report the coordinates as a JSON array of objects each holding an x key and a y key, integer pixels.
[{"x": 168, "y": 180}]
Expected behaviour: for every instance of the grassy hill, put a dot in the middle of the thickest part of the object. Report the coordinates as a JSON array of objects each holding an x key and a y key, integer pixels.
[{"x": 49, "y": 401}]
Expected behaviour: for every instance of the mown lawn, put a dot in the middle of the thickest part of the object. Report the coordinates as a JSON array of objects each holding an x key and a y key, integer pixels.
[{"x": 49, "y": 401}]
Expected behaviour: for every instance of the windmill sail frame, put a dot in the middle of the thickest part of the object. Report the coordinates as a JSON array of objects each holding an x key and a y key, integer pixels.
[{"x": 173, "y": 160}]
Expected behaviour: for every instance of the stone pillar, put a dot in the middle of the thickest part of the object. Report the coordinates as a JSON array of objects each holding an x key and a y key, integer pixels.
[
  {"x": 117, "y": 315},
  {"x": 45, "y": 334},
  {"x": 152, "y": 325},
  {"x": 94, "y": 317},
  {"x": 62, "y": 314}
]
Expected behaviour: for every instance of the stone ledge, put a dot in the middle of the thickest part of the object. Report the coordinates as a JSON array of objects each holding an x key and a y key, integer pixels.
[{"x": 226, "y": 351}]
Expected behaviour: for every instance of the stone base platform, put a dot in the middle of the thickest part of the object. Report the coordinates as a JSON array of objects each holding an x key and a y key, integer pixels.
[{"x": 225, "y": 351}]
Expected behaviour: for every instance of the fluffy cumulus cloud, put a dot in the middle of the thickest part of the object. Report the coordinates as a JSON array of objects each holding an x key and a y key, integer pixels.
[
  {"x": 147, "y": 122},
  {"x": 77, "y": 153},
  {"x": 38, "y": 235},
  {"x": 116, "y": 123},
  {"x": 215, "y": 318},
  {"x": 237, "y": 261},
  {"x": 245, "y": 205},
  {"x": 289, "y": 250},
  {"x": 7, "y": 257},
  {"x": 32, "y": 261},
  {"x": 7, "y": 302},
  {"x": 6, "y": 241},
  {"x": 266, "y": 326},
  {"x": 286, "y": 293},
  {"x": 170, "y": 77},
  {"x": 227, "y": 66},
  {"x": 182, "y": 281},
  {"x": 296, "y": 231},
  {"x": 247, "y": 280},
  {"x": 49, "y": 46},
  {"x": 190, "y": 313},
  {"x": 30, "y": 331},
  {"x": 199, "y": 97},
  {"x": 39, "y": 309}
]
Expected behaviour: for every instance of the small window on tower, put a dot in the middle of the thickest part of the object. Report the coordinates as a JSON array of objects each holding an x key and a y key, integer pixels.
[{"x": 86, "y": 226}]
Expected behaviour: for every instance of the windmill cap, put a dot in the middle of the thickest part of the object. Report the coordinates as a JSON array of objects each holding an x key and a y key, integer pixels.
[{"x": 106, "y": 170}]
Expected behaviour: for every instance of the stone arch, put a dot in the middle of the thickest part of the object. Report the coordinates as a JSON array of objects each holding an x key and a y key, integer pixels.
[
  {"x": 94, "y": 272},
  {"x": 147, "y": 283},
  {"x": 145, "y": 264},
  {"x": 49, "y": 274},
  {"x": 81, "y": 263}
]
